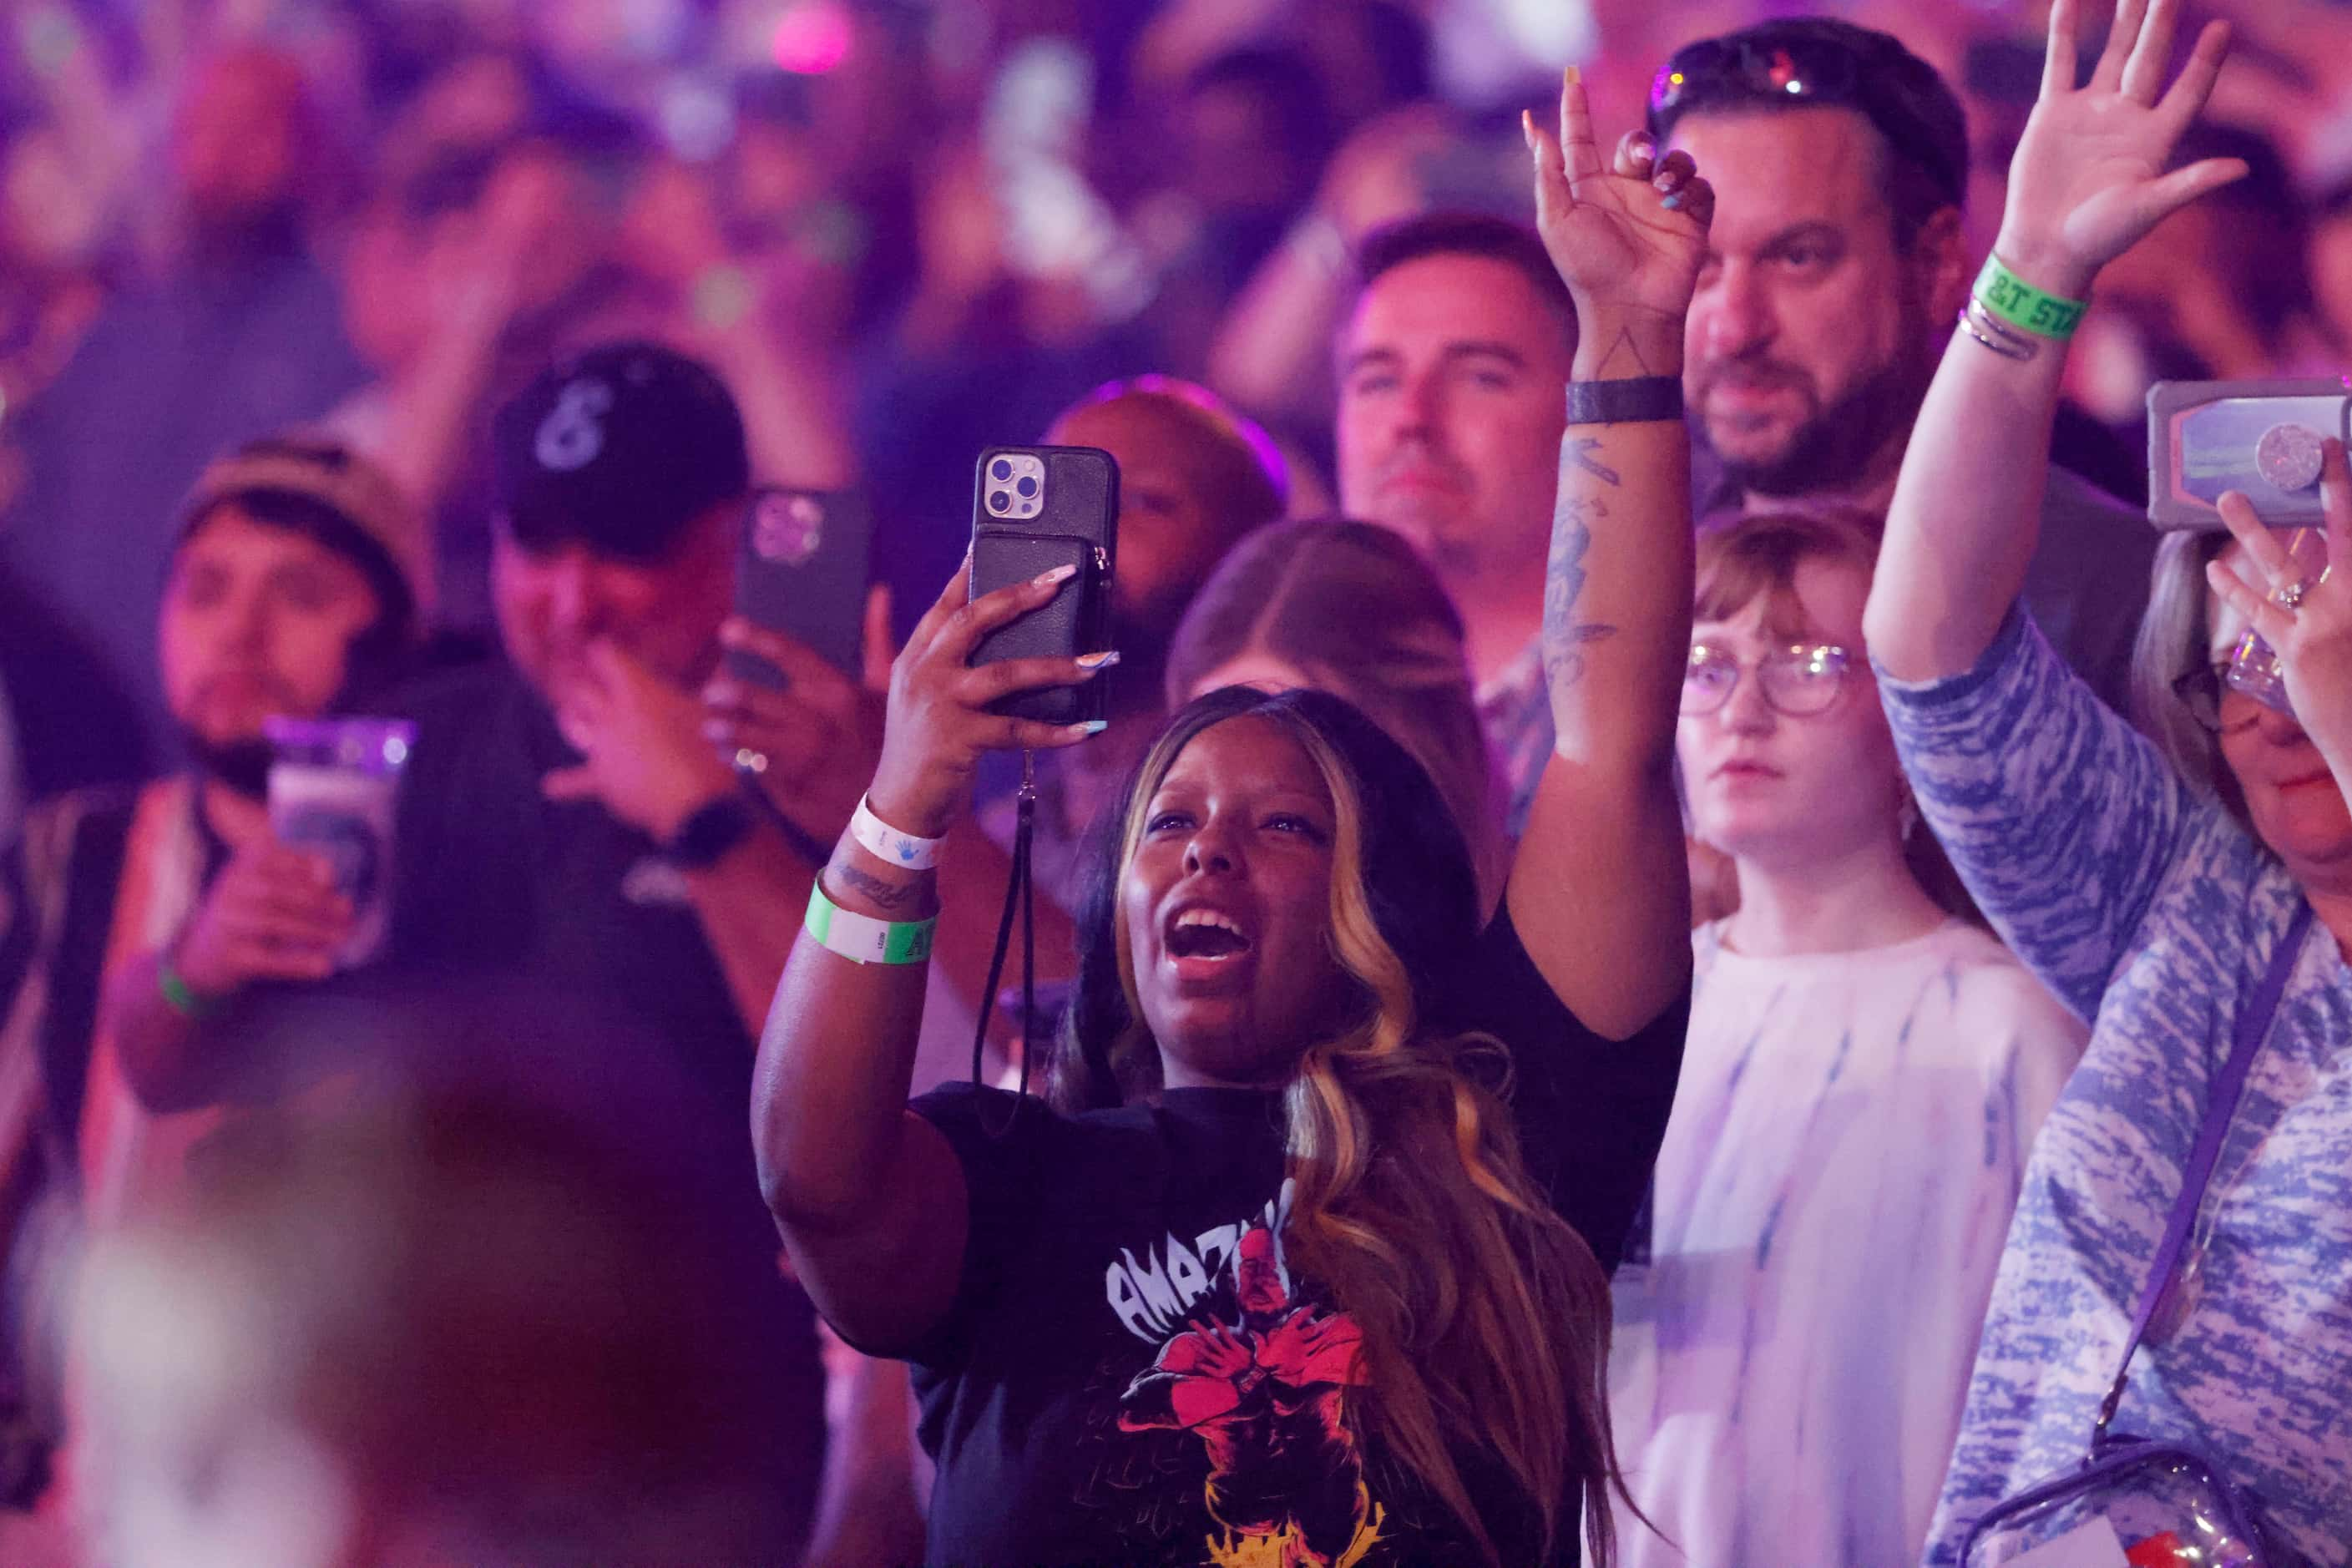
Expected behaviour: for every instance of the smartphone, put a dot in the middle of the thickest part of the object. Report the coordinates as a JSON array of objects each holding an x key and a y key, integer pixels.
[
  {"x": 1034, "y": 509},
  {"x": 2261, "y": 438},
  {"x": 802, "y": 571}
]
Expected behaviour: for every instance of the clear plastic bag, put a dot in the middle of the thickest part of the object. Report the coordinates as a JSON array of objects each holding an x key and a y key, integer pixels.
[{"x": 2133, "y": 1504}]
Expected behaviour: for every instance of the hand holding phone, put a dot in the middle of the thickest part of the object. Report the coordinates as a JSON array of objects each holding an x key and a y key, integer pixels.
[
  {"x": 945, "y": 714},
  {"x": 1036, "y": 508},
  {"x": 2260, "y": 438}
]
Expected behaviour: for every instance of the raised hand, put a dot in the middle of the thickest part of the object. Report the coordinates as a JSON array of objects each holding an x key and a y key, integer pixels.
[
  {"x": 938, "y": 723},
  {"x": 2303, "y": 612},
  {"x": 2089, "y": 179},
  {"x": 1626, "y": 235}
]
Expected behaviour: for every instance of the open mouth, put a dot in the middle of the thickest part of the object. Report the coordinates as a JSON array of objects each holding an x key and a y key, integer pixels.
[{"x": 1205, "y": 933}]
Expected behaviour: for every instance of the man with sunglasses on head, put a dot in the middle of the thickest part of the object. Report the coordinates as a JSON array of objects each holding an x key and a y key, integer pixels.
[{"x": 1837, "y": 267}]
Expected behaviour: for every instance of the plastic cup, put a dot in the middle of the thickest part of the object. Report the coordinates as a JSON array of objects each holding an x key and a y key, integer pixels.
[{"x": 334, "y": 786}]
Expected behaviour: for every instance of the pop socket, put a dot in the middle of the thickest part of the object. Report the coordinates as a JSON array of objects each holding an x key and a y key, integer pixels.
[{"x": 2288, "y": 456}]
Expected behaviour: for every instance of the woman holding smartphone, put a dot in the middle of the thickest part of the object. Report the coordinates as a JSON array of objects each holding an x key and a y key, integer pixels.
[{"x": 1295, "y": 1281}]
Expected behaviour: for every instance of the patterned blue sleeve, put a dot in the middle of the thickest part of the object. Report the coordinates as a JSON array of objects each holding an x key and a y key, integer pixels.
[{"x": 2062, "y": 819}]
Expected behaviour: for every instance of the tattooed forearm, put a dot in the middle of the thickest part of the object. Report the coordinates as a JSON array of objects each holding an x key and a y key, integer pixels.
[
  {"x": 866, "y": 885},
  {"x": 1579, "y": 451},
  {"x": 1564, "y": 636}
]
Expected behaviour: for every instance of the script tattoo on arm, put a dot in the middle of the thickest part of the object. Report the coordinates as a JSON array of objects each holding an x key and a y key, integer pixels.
[
  {"x": 866, "y": 885},
  {"x": 1572, "y": 535}
]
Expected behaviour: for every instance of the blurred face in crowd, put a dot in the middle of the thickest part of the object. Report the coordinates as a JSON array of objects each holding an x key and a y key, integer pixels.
[
  {"x": 553, "y": 604},
  {"x": 556, "y": 602},
  {"x": 1175, "y": 518},
  {"x": 51, "y": 219},
  {"x": 1787, "y": 790},
  {"x": 2291, "y": 798},
  {"x": 1451, "y": 413},
  {"x": 257, "y": 621},
  {"x": 1241, "y": 828},
  {"x": 1237, "y": 152},
  {"x": 239, "y": 152},
  {"x": 1811, "y": 338}
]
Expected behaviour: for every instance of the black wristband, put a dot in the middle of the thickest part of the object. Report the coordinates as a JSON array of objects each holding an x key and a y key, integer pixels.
[
  {"x": 703, "y": 839},
  {"x": 1640, "y": 399}
]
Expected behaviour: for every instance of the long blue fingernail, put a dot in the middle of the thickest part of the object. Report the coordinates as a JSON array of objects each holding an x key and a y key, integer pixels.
[
  {"x": 1672, "y": 204},
  {"x": 1102, "y": 661},
  {"x": 1090, "y": 727}
]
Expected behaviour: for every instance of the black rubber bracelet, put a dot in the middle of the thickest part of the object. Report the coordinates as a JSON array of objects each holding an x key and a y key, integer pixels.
[{"x": 1637, "y": 400}]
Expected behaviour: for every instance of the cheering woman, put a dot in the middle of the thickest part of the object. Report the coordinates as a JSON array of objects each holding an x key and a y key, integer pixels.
[{"x": 1316, "y": 1270}]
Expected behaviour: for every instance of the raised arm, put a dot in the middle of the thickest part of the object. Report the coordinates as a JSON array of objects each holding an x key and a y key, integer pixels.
[
  {"x": 1599, "y": 891},
  {"x": 870, "y": 1198},
  {"x": 2087, "y": 183}
]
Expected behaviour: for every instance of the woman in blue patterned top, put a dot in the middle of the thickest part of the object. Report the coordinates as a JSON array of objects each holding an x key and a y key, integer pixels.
[{"x": 2150, "y": 885}]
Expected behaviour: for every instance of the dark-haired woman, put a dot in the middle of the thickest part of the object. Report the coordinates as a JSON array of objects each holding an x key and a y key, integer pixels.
[{"x": 1294, "y": 1283}]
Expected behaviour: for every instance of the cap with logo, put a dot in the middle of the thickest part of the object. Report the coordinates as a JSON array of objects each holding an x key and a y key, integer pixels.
[{"x": 617, "y": 448}]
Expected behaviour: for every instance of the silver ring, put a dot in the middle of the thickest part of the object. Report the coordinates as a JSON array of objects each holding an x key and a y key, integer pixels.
[
  {"x": 748, "y": 761},
  {"x": 2289, "y": 596}
]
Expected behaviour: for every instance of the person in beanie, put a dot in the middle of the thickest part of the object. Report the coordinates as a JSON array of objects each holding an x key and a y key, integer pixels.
[{"x": 293, "y": 589}]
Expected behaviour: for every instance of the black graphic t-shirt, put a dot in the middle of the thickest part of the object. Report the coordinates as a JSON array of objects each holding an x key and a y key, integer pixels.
[{"x": 1131, "y": 1375}]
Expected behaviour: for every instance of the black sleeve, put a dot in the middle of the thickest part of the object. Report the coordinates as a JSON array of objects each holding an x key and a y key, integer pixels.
[
  {"x": 1590, "y": 1111},
  {"x": 1001, "y": 1169}
]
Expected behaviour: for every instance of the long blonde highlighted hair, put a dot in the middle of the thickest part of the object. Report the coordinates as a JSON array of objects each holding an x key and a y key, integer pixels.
[{"x": 1483, "y": 1316}]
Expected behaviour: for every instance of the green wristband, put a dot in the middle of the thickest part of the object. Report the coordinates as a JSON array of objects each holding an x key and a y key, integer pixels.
[
  {"x": 2022, "y": 305},
  {"x": 863, "y": 939},
  {"x": 178, "y": 997}
]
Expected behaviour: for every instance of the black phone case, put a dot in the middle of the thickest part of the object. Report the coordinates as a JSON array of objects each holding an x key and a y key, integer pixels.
[{"x": 1077, "y": 526}]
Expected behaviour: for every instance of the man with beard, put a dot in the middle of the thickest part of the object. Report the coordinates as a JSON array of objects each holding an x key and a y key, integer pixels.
[
  {"x": 1836, "y": 263},
  {"x": 292, "y": 583}
]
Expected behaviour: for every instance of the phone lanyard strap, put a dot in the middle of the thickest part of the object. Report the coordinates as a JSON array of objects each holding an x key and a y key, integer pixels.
[
  {"x": 1020, "y": 894},
  {"x": 2253, "y": 1028}
]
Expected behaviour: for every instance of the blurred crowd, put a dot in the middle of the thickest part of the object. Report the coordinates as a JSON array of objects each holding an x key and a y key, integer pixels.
[
  {"x": 331, "y": 249},
  {"x": 899, "y": 229}
]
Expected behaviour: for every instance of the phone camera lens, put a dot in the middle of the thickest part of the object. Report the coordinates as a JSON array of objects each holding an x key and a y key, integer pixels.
[
  {"x": 1027, "y": 486},
  {"x": 999, "y": 469},
  {"x": 999, "y": 501}
]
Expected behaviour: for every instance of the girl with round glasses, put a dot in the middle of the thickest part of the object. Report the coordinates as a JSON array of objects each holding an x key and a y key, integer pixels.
[{"x": 1864, "y": 1076}]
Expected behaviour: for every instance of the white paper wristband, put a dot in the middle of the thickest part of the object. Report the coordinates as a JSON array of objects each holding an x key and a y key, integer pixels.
[{"x": 884, "y": 842}]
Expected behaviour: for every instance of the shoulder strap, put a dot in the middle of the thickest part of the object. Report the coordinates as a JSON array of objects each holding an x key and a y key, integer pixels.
[
  {"x": 93, "y": 872},
  {"x": 2253, "y": 1028}
]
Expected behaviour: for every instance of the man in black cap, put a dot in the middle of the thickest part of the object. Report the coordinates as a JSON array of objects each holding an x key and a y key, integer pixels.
[
  {"x": 564, "y": 809},
  {"x": 565, "y": 819},
  {"x": 1836, "y": 265}
]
